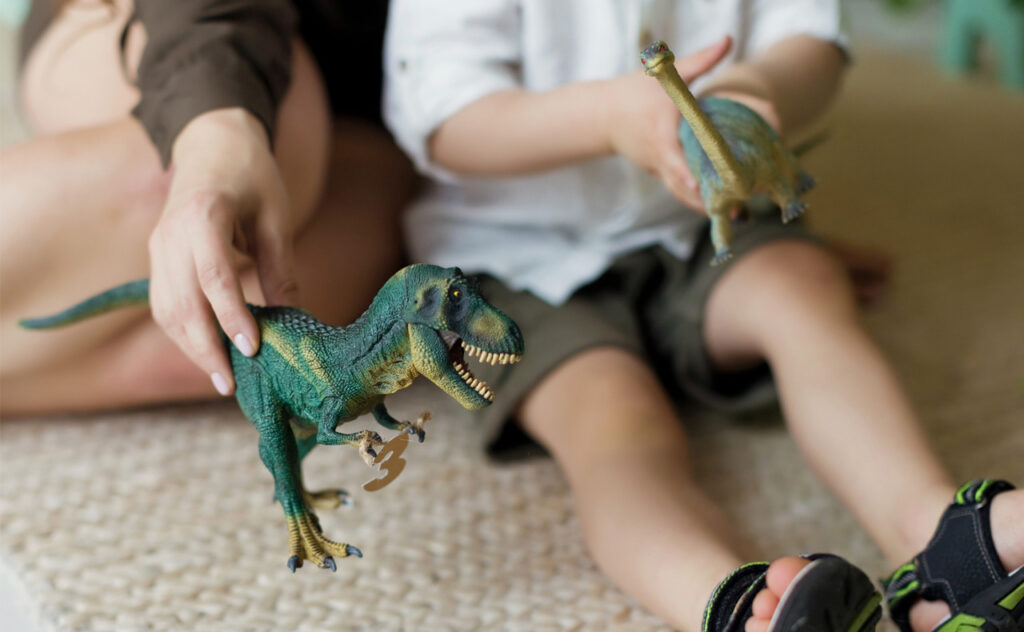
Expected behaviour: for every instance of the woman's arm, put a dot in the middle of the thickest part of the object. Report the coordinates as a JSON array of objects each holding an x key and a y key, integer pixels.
[
  {"x": 204, "y": 55},
  {"x": 211, "y": 77}
]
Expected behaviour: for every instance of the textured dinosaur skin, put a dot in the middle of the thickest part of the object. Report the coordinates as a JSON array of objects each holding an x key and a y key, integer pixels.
[
  {"x": 731, "y": 151},
  {"x": 308, "y": 377}
]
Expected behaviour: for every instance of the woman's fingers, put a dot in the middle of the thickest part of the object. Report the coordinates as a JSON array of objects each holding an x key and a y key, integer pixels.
[
  {"x": 218, "y": 279},
  {"x": 695, "y": 65},
  {"x": 273, "y": 246},
  {"x": 180, "y": 307}
]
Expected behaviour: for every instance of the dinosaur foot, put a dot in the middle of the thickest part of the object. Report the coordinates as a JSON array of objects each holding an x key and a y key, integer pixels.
[
  {"x": 792, "y": 211},
  {"x": 327, "y": 498},
  {"x": 305, "y": 542},
  {"x": 721, "y": 257},
  {"x": 416, "y": 427},
  {"x": 804, "y": 183}
]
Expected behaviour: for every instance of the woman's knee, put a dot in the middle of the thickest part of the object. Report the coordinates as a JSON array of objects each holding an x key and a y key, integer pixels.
[
  {"x": 73, "y": 77},
  {"x": 76, "y": 79}
]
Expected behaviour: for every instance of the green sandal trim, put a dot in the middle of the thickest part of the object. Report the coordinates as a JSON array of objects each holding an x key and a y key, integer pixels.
[
  {"x": 1009, "y": 602},
  {"x": 973, "y": 586},
  {"x": 866, "y": 614},
  {"x": 962, "y": 623}
]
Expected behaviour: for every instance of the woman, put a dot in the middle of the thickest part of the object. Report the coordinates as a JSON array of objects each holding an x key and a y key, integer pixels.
[{"x": 229, "y": 150}]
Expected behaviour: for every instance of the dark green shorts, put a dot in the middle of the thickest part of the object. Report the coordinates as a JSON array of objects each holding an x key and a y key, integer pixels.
[{"x": 648, "y": 302}]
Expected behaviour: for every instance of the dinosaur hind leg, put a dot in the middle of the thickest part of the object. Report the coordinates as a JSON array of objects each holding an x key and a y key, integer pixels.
[
  {"x": 280, "y": 454},
  {"x": 321, "y": 499},
  {"x": 804, "y": 182},
  {"x": 784, "y": 195}
]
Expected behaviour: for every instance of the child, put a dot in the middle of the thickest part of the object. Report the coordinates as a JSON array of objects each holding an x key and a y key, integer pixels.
[{"x": 556, "y": 173}]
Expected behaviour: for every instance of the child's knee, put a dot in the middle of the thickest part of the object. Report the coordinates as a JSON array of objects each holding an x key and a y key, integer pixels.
[{"x": 795, "y": 280}]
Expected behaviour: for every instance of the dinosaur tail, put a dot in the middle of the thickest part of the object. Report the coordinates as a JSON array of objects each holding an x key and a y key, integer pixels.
[{"x": 131, "y": 293}]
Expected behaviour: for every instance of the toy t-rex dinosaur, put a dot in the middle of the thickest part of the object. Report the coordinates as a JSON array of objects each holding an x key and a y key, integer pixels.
[
  {"x": 731, "y": 150},
  {"x": 308, "y": 377}
]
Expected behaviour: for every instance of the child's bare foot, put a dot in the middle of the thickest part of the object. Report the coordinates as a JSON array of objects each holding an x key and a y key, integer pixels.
[{"x": 1007, "y": 519}]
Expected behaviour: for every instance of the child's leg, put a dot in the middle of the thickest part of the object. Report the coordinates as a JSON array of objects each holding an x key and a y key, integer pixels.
[
  {"x": 791, "y": 303},
  {"x": 609, "y": 424}
]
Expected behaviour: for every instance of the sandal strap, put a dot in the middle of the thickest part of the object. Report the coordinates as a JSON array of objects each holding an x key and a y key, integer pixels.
[
  {"x": 732, "y": 601},
  {"x": 959, "y": 562},
  {"x": 724, "y": 612}
]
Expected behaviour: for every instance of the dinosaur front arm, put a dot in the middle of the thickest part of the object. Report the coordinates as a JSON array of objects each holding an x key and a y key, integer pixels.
[{"x": 384, "y": 418}]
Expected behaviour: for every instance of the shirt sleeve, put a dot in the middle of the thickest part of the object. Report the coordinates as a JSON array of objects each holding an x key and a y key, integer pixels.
[
  {"x": 774, "y": 20},
  {"x": 438, "y": 58},
  {"x": 203, "y": 55}
]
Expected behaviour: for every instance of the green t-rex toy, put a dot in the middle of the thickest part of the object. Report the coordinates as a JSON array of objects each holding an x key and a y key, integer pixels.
[
  {"x": 731, "y": 150},
  {"x": 308, "y": 377}
]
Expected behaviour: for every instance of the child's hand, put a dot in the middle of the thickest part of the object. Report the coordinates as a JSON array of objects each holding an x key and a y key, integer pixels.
[
  {"x": 644, "y": 124},
  {"x": 226, "y": 198}
]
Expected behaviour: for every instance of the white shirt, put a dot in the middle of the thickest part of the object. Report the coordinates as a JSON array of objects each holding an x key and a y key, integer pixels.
[{"x": 553, "y": 232}]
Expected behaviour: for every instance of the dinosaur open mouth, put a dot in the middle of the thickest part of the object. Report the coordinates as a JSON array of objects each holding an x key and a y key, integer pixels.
[{"x": 458, "y": 349}]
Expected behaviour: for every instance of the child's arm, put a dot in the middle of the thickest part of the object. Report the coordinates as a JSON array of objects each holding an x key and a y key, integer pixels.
[
  {"x": 629, "y": 115},
  {"x": 790, "y": 84}
]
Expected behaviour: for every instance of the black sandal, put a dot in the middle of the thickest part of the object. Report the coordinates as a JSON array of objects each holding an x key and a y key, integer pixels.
[
  {"x": 828, "y": 595},
  {"x": 961, "y": 567}
]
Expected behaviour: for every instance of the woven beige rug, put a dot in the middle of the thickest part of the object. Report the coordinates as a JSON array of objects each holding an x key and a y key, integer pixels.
[{"x": 162, "y": 519}]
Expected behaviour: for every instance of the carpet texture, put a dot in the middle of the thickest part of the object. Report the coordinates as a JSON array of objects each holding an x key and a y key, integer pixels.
[{"x": 162, "y": 519}]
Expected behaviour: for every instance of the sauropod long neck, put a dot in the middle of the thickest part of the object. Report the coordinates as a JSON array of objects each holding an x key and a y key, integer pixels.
[{"x": 707, "y": 134}]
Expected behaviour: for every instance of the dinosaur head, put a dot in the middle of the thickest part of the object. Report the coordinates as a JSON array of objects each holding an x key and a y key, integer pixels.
[
  {"x": 448, "y": 322},
  {"x": 655, "y": 55}
]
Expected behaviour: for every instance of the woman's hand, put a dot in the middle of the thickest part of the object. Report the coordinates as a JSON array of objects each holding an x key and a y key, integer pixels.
[
  {"x": 643, "y": 123},
  {"x": 226, "y": 199}
]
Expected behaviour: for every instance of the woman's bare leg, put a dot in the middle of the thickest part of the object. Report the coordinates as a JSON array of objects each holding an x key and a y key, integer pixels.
[
  {"x": 612, "y": 429},
  {"x": 88, "y": 194}
]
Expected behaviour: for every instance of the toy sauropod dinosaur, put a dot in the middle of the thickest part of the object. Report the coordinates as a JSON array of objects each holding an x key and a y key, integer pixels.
[
  {"x": 731, "y": 150},
  {"x": 308, "y": 377}
]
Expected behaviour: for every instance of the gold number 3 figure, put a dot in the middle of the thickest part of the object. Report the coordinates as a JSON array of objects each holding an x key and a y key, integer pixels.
[{"x": 392, "y": 454}]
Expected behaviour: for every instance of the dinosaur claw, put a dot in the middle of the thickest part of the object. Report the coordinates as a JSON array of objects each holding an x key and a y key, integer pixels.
[
  {"x": 721, "y": 258},
  {"x": 329, "y": 563},
  {"x": 294, "y": 562},
  {"x": 351, "y": 550},
  {"x": 793, "y": 211}
]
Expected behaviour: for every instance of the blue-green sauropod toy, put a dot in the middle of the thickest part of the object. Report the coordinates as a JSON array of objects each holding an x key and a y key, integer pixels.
[
  {"x": 734, "y": 154},
  {"x": 308, "y": 377}
]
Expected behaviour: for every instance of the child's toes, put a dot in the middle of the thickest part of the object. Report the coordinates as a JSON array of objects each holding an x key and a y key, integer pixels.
[
  {"x": 782, "y": 572},
  {"x": 780, "y": 576},
  {"x": 756, "y": 625},
  {"x": 765, "y": 604}
]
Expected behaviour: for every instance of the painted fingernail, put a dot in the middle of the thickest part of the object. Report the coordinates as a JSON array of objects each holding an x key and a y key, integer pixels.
[
  {"x": 244, "y": 345},
  {"x": 219, "y": 383}
]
